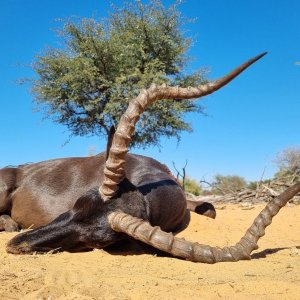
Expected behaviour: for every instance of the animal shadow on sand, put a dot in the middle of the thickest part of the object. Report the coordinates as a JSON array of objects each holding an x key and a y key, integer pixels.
[
  {"x": 266, "y": 252},
  {"x": 132, "y": 247}
]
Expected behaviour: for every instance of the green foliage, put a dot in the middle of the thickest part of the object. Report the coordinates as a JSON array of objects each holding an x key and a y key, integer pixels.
[
  {"x": 252, "y": 185},
  {"x": 192, "y": 186},
  {"x": 87, "y": 84},
  {"x": 227, "y": 184}
]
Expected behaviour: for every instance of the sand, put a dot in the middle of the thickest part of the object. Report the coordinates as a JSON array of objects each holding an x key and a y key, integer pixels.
[{"x": 273, "y": 272}]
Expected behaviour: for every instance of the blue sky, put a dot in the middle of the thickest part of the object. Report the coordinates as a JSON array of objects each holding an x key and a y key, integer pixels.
[{"x": 247, "y": 123}]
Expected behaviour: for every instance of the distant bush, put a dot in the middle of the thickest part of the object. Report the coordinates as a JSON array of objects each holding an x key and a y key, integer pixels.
[
  {"x": 192, "y": 186},
  {"x": 227, "y": 184},
  {"x": 252, "y": 185},
  {"x": 288, "y": 163}
]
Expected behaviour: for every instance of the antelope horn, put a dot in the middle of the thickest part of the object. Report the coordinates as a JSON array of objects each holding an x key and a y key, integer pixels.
[
  {"x": 114, "y": 171},
  {"x": 167, "y": 242}
]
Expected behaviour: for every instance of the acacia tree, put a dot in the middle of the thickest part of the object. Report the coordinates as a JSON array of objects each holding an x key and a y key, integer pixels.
[{"x": 87, "y": 84}]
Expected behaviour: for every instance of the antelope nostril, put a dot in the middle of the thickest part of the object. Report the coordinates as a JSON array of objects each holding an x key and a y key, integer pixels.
[{"x": 22, "y": 248}]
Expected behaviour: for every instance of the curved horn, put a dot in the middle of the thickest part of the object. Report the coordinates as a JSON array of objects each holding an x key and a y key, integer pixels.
[
  {"x": 114, "y": 168},
  {"x": 154, "y": 236}
]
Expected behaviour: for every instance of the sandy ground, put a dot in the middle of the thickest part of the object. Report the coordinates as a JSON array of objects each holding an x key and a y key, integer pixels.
[{"x": 273, "y": 272}]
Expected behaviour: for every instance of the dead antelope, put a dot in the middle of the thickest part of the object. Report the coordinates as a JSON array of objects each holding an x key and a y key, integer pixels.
[{"x": 138, "y": 197}]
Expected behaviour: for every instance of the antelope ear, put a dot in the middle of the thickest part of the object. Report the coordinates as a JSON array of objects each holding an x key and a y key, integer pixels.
[
  {"x": 109, "y": 140},
  {"x": 206, "y": 209},
  {"x": 87, "y": 205},
  {"x": 202, "y": 208}
]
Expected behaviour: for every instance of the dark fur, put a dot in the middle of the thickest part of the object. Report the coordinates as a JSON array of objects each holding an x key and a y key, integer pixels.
[
  {"x": 202, "y": 208},
  {"x": 37, "y": 194}
]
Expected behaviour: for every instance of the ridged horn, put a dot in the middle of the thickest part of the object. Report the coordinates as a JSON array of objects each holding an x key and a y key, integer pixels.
[
  {"x": 167, "y": 242},
  {"x": 114, "y": 171}
]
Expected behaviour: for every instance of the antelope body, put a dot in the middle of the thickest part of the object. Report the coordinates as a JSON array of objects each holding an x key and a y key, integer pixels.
[
  {"x": 138, "y": 197},
  {"x": 43, "y": 191}
]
